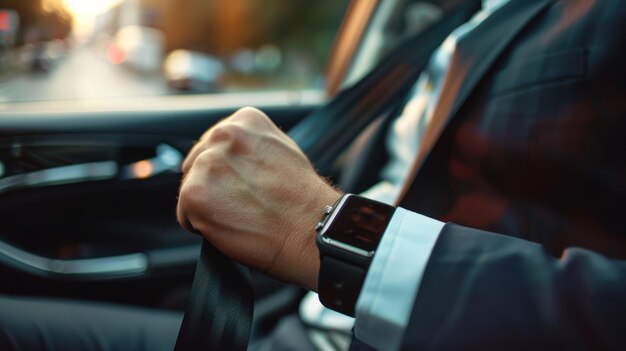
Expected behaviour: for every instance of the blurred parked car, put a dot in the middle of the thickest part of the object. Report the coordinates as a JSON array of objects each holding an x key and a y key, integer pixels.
[
  {"x": 42, "y": 56},
  {"x": 140, "y": 48},
  {"x": 192, "y": 71}
]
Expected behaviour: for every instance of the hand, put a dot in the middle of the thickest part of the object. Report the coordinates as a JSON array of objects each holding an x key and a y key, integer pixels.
[{"x": 254, "y": 195}]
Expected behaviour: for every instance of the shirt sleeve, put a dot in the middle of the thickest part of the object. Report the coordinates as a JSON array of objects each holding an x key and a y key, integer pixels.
[{"x": 386, "y": 300}]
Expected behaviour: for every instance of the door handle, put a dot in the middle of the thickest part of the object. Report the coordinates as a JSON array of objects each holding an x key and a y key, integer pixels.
[{"x": 167, "y": 159}]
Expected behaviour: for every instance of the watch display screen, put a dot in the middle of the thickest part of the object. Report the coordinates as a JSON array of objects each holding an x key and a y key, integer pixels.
[{"x": 360, "y": 223}]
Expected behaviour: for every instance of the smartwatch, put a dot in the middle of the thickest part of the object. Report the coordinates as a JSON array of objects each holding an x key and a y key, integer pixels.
[{"x": 347, "y": 237}]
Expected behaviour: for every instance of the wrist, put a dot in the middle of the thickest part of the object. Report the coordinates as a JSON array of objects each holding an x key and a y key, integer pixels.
[
  {"x": 326, "y": 198},
  {"x": 300, "y": 253}
]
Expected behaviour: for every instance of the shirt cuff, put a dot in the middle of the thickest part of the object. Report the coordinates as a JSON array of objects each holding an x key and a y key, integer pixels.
[{"x": 386, "y": 300}]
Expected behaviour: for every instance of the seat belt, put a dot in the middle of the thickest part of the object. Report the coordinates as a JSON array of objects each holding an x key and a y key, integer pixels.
[
  {"x": 220, "y": 307},
  {"x": 327, "y": 132}
]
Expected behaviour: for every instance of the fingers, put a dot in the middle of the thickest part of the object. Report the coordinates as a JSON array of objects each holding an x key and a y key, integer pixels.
[
  {"x": 190, "y": 201},
  {"x": 182, "y": 207},
  {"x": 196, "y": 150}
]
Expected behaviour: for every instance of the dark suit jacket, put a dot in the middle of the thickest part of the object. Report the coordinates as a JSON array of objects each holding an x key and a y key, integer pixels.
[{"x": 528, "y": 140}]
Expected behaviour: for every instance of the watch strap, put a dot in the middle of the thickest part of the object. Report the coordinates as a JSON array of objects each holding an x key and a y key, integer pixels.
[{"x": 340, "y": 284}]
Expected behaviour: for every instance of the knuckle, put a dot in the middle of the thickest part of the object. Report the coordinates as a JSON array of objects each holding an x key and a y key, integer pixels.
[
  {"x": 235, "y": 136},
  {"x": 251, "y": 115},
  {"x": 250, "y": 111},
  {"x": 207, "y": 159},
  {"x": 189, "y": 197},
  {"x": 196, "y": 149},
  {"x": 212, "y": 164},
  {"x": 188, "y": 163},
  {"x": 225, "y": 132}
]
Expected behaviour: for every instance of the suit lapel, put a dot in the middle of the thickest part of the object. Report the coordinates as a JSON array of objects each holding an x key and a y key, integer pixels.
[{"x": 473, "y": 57}]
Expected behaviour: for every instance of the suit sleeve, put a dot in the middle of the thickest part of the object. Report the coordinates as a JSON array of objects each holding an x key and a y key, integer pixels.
[{"x": 486, "y": 291}]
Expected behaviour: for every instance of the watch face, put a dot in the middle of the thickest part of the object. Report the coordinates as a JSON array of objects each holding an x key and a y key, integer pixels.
[{"x": 360, "y": 223}]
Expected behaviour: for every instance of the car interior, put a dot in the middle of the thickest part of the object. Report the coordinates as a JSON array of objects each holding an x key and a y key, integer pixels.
[{"x": 88, "y": 187}]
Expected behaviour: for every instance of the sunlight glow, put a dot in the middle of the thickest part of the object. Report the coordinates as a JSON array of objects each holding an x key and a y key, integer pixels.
[{"x": 85, "y": 12}]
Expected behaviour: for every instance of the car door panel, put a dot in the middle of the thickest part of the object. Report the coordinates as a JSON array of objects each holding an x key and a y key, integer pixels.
[{"x": 87, "y": 202}]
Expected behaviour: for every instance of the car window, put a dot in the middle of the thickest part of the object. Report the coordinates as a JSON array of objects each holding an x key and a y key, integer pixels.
[{"x": 95, "y": 49}]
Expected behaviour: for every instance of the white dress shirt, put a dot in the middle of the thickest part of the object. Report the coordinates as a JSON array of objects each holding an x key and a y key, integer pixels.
[{"x": 393, "y": 279}]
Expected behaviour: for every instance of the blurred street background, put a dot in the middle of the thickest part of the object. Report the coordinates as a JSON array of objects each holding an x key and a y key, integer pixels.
[{"x": 83, "y": 49}]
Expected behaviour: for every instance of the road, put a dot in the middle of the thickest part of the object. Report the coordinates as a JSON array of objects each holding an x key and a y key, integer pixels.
[{"x": 81, "y": 74}]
